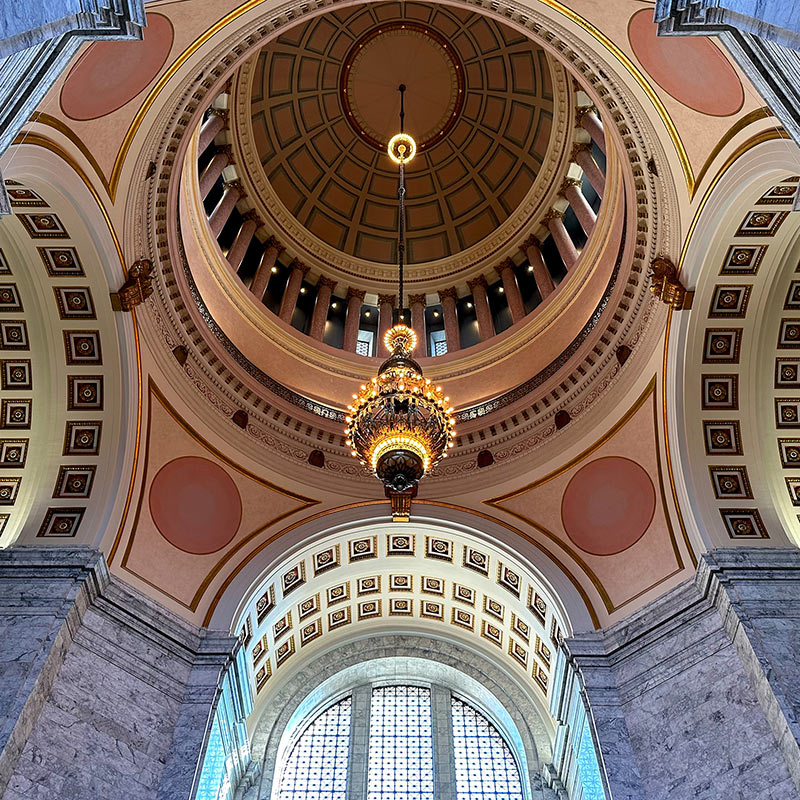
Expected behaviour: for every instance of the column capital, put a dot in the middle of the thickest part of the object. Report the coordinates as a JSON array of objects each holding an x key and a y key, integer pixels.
[
  {"x": 275, "y": 244},
  {"x": 252, "y": 216},
  {"x": 415, "y": 299},
  {"x": 386, "y": 299},
  {"x": 449, "y": 292},
  {"x": 569, "y": 182},
  {"x": 224, "y": 150},
  {"x": 531, "y": 241},
  {"x": 552, "y": 214},
  {"x": 234, "y": 186},
  {"x": 479, "y": 280},
  {"x": 323, "y": 281},
  {"x": 300, "y": 266},
  {"x": 581, "y": 112},
  {"x": 503, "y": 265},
  {"x": 580, "y": 147},
  {"x": 222, "y": 113},
  {"x": 358, "y": 293}
]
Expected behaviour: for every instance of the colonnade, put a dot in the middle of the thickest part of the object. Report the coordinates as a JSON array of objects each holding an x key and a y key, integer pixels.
[{"x": 532, "y": 256}]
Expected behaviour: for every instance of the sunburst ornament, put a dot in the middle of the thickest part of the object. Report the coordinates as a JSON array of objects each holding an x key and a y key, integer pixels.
[{"x": 400, "y": 425}]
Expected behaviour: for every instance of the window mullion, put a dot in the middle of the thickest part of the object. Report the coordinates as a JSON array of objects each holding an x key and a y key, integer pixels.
[
  {"x": 359, "y": 743},
  {"x": 443, "y": 752}
]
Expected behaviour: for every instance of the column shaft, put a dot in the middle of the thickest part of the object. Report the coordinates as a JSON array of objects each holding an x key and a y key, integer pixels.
[
  {"x": 565, "y": 245},
  {"x": 222, "y": 213},
  {"x": 591, "y": 123},
  {"x": 544, "y": 281},
  {"x": 416, "y": 303},
  {"x": 580, "y": 205},
  {"x": 264, "y": 271},
  {"x": 452, "y": 332},
  {"x": 480, "y": 297},
  {"x": 211, "y": 127},
  {"x": 321, "y": 305},
  {"x": 385, "y": 314},
  {"x": 242, "y": 241},
  {"x": 583, "y": 158},
  {"x": 355, "y": 297},
  {"x": 511, "y": 290},
  {"x": 292, "y": 291},
  {"x": 210, "y": 175}
]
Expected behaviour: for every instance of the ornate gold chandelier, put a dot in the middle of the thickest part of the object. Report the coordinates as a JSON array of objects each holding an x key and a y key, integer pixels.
[{"x": 400, "y": 425}]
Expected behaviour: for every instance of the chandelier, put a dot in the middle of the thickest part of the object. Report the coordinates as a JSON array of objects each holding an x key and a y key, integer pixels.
[{"x": 400, "y": 425}]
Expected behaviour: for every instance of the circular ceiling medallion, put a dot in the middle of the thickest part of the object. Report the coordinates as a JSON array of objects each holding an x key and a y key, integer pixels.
[
  {"x": 195, "y": 505},
  {"x": 608, "y": 505},
  {"x": 690, "y": 68},
  {"x": 111, "y": 74},
  {"x": 409, "y": 53},
  {"x": 323, "y": 102}
]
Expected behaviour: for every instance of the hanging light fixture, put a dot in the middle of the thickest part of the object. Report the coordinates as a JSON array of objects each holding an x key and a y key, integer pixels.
[{"x": 400, "y": 425}]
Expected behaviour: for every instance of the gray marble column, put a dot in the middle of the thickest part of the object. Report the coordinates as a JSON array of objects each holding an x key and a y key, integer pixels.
[
  {"x": 478, "y": 287},
  {"x": 222, "y": 213},
  {"x": 319, "y": 317},
  {"x": 359, "y": 743},
  {"x": 544, "y": 281},
  {"x": 217, "y": 120},
  {"x": 554, "y": 220},
  {"x": 385, "y": 314},
  {"x": 292, "y": 291},
  {"x": 243, "y": 240},
  {"x": 103, "y": 692},
  {"x": 696, "y": 694},
  {"x": 511, "y": 290},
  {"x": 443, "y": 754},
  {"x": 354, "y": 299},
  {"x": 210, "y": 175},
  {"x": 272, "y": 249},
  {"x": 452, "y": 332},
  {"x": 582, "y": 156}
]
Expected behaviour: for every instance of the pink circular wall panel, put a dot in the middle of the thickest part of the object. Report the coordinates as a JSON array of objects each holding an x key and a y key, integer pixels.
[
  {"x": 195, "y": 505},
  {"x": 690, "y": 68},
  {"x": 110, "y": 74},
  {"x": 608, "y": 505}
]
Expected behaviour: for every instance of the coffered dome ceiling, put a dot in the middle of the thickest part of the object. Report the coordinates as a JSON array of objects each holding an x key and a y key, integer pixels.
[{"x": 323, "y": 101}]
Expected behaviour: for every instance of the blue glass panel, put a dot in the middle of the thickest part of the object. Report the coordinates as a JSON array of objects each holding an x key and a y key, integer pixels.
[
  {"x": 317, "y": 765},
  {"x": 588, "y": 768},
  {"x": 485, "y": 767},
  {"x": 400, "y": 744}
]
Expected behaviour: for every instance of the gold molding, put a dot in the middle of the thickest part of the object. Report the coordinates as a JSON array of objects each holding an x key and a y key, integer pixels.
[
  {"x": 35, "y": 139},
  {"x": 65, "y": 130},
  {"x": 495, "y": 502},
  {"x": 304, "y": 502},
  {"x": 753, "y": 141},
  {"x": 575, "y": 18},
  {"x": 560, "y": 564}
]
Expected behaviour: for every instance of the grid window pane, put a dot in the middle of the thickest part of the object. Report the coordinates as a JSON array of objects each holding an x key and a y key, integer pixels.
[
  {"x": 485, "y": 768},
  {"x": 317, "y": 766},
  {"x": 400, "y": 744}
]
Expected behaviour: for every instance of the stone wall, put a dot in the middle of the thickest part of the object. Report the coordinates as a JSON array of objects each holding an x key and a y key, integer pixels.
[
  {"x": 103, "y": 693},
  {"x": 690, "y": 696}
]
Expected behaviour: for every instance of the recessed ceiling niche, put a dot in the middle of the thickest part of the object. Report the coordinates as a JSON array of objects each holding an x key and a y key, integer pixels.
[{"x": 323, "y": 102}]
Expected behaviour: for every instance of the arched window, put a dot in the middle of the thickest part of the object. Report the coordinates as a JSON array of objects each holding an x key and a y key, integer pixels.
[
  {"x": 485, "y": 766},
  {"x": 317, "y": 765},
  {"x": 403, "y": 743}
]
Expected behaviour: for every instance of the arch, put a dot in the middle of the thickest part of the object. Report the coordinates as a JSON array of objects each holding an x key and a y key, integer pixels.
[
  {"x": 422, "y": 658},
  {"x": 738, "y": 191},
  {"x": 82, "y": 227}
]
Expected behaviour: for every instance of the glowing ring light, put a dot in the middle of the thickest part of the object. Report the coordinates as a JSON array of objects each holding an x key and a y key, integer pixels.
[{"x": 402, "y": 148}]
